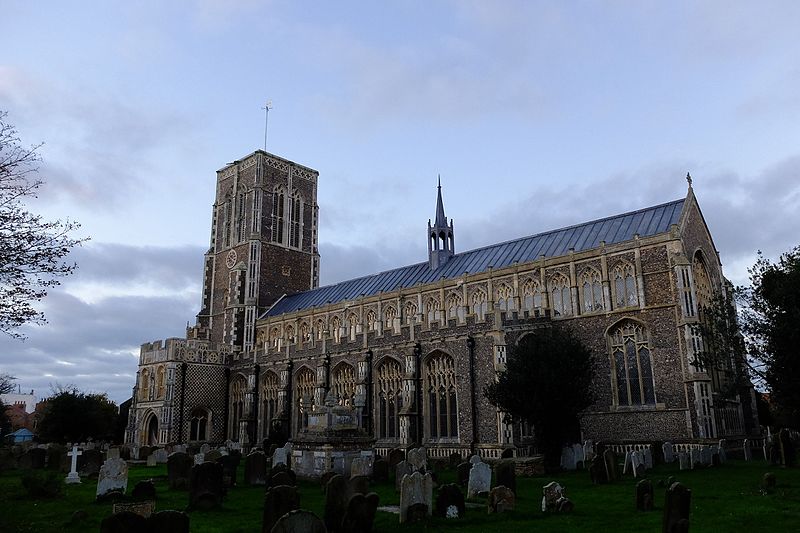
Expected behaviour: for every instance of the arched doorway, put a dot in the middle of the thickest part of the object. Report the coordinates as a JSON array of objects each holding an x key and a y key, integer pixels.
[{"x": 151, "y": 431}]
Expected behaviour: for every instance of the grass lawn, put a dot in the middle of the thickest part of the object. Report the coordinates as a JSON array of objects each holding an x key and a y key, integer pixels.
[{"x": 725, "y": 498}]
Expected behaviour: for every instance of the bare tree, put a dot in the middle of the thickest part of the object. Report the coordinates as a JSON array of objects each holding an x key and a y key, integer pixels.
[{"x": 32, "y": 250}]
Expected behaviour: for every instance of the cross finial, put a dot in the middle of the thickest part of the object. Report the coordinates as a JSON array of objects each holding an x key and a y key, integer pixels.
[
  {"x": 440, "y": 179},
  {"x": 689, "y": 179}
]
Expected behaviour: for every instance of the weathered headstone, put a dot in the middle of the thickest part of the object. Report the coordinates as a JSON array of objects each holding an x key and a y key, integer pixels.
[
  {"x": 611, "y": 466},
  {"x": 205, "y": 486},
  {"x": 684, "y": 461},
  {"x": 160, "y": 455},
  {"x": 213, "y": 455},
  {"x": 676, "y": 509},
  {"x": 418, "y": 458},
  {"x": 230, "y": 464},
  {"x": 788, "y": 453},
  {"x": 113, "y": 453},
  {"x": 416, "y": 489},
  {"x": 360, "y": 513},
  {"x": 380, "y": 471},
  {"x": 395, "y": 456},
  {"x": 179, "y": 468},
  {"x": 480, "y": 479},
  {"x": 124, "y": 521},
  {"x": 358, "y": 485},
  {"x": 337, "y": 496},
  {"x": 255, "y": 468},
  {"x": 551, "y": 493},
  {"x": 597, "y": 470},
  {"x": 169, "y": 522},
  {"x": 73, "y": 477},
  {"x": 449, "y": 497},
  {"x": 298, "y": 521},
  {"x": 360, "y": 467},
  {"x": 505, "y": 475},
  {"x": 151, "y": 460},
  {"x": 455, "y": 458},
  {"x": 277, "y": 502},
  {"x": 90, "y": 462},
  {"x": 667, "y": 451},
  {"x": 144, "y": 509},
  {"x": 281, "y": 455},
  {"x": 282, "y": 477},
  {"x": 768, "y": 482},
  {"x": 568, "y": 461},
  {"x": 588, "y": 450},
  {"x": 746, "y": 451},
  {"x": 402, "y": 469},
  {"x": 577, "y": 451},
  {"x": 113, "y": 478},
  {"x": 325, "y": 478},
  {"x": 644, "y": 495},
  {"x": 501, "y": 499},
  {"x": 462, "y": 473},
  {"x": 144, "y": 490},
  {"x": 199, "y": 458},
  {"x": 647, "y": 457}
]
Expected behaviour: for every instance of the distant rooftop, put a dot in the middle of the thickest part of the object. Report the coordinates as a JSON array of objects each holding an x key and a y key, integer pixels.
[{"x": 615, "y": 229}]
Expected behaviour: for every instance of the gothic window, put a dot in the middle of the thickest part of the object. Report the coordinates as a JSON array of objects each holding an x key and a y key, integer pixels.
[
  {"x": 441, "y": 407},
  {"x": 305, "y": 333},
  {"x": 240, "y": 218},
  {"x": 632, "y": 369},
  {"x": 236, "y": 409},
  {"x": 304, "y": 396},
  {"x": 144, "y": 385},
  {"x": 161, "y": 380},
  {"x": 290, "y": 338},
  {"x": 388, "y": 316},
  {"x": 268, "y": 395},
  {"x": 226, "y": 227},
  {"x": 431, "y": 310},
  {"x": 702, "y": 283},
  {"x": 561, "y": 299},
  {"x": 275, "y": 338},
  {"x": 336, "y": 328},
  {"x": 455, "y": 308},
  {"x": 320, "y": 329},
  {"x": 389, "y": 391},
  {"x": 504, "y": 296},
  {"x": 479, "y": 302},
  {"x": 255, "y": 223},
  {"x": 410, "y": 311},
  {"x": 372, "y": 320},
  {"x": 591, "y": 291},
  {"x": 624, "y": 286},
  {"x": 199, "y": 424},
  {"x": 295, "y": 219},
  {"x": 352, "y": 323},
  {"x": 344, "y": 384},
  {"x": 278, "y": 200},
  {"x": 531, "y": 294}
]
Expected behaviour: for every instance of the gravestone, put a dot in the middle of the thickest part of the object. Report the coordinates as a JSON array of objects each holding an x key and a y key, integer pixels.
[
  {"x": 144, "y": 490},
  {"x": 597, "y": 470},
  {"x": 788, "y": 453},
  {"x": 230, "y": 464},
  {"x": 417, "y": 458},
  {"x": 113, "y": 478},
  {"x": 501, "y": 499},
  {"x": 611, "y": 466},
  {"x": 455, "y": 458},
  {"x": 90, "y": 462},
  {"x": 402, "y": 469},
  {"x": 277, "y": 502},
  {"x": 169, "y": 522},
  {"x": 417, "y": 512},
  {"x": 281, "y": 455},
  {"x": 577, "y": 451},
  {"x": 588, "y": 450},
  {"x": 568, "y": 458},
  {"x": 415, "y": 489},
  {"x": 380, "y": 471},
  {"x": 450, "y": 502},
  {"x": 179, "y": 468},
  {"x": 676, "y": 509},
  {"x": 360, "y": 513},
  {"x": 113, "y": 453},
  {"x": 56, "y": 457},
  {"x": 684, "y": 461},
  {"x": 255, "y": 468},
  {"x": 73, "y": 477},
  {"x": 667, "y": 451},
  {"x": 151, "y": 460},
  {"x": 395, "y": 456},
  {"x": 299, "y": 521},
  {"x": 360, "y": 467},
  {"x": 337, "y": 496},
  {"x": 144, "y": 509},
  {"x": 748, "y": 454},
  {"x": 281, "y": 478},
  {"x": 505, "y": 475},
  {"x": 160, "y": 455},
  {"x": 644, "y": 495},
  {"x": 199, "y": 458},
  {"x": 705, "y": 456},
  {"x": 551, "y": 493},
  {"x": 768, "y": 482},
  {"x": 124, "y": 521},
  {"x": 358, "y": 484},
  {"x": 205, "y": 486},
  {"x": 325, "y": 478},
  {"x": 462, "y": 473},
  {"x": 721, "y": 447},
  {"x": 480, "y": 479},
  {"x": 213, "y": 455},
  {"x": 647, "y": 457}
]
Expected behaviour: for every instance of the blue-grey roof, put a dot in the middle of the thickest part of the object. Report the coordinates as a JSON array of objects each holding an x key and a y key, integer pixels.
[{"x": 612, "y": 230}]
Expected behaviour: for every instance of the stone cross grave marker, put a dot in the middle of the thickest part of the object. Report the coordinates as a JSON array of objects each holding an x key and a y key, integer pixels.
[{"x": 73, "y": 476}]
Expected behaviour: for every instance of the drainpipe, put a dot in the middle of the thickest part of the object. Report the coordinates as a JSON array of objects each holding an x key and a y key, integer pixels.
[
  {"x": 227, "y": 402},
  {"x": 473, "y": 401},
  {"x": 418, "y": 354},
  {"x": 184, "y": 367}
]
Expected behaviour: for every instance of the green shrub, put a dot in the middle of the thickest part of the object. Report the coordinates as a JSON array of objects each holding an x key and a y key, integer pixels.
[{"x": 43, "y": 484}]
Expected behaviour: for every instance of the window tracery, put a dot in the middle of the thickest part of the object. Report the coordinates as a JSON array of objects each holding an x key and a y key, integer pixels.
[
  {"x": 624, "y": 285},
  {"x": 479, "y": 302},
  {"x": 531, "y": 294},
  {"x": 305, "y": 382},
  {"x": 591, "y": 291},
  {"x": 270, "y": 387},
  {"x": 504, "y": 296},
  {"x": 440, "y": 390},
  {"x": 455, "y": 307},
  {"x": 432, "y": 310},
  {"x": 631, "y": 362},
  {"x": 344, "y": 383},
  {"x": 372, "y": 320},
  {"x": 410, "y": 311},
  {"x": 236, "y": 408},
  {"x": 278, "y": 202},
  {"x": 389, "y": 314},
  {"x": 561, "y": 299},
  {"x": 389, "y": 391},
  {"x": 199, "y": 424}
]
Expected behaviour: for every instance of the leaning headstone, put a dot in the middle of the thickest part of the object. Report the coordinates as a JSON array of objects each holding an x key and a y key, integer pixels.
[
  {"x": 501, "y": 499},
  {"x": 550, "y": 495},
  {"x": 462, "y": 473},
  {"x": 644, "y": 495},
  {"x": 360, "y": 467},
  {"x": 298, "y": 521},
  {"x": 676, "y": 509},
  {"x": 395, "y": 456},
  {"x": 416, "y": 489},
  {"x": 73, "y": 477},
  {"x": 337, "y": 497},
  {"x": 144, "y": 490},
  {"x": 179, "y": 468},
  {"x": 205, "y": 486},
  {"x": 611, "y": 466},
  {"x": 278, "y": 501},
  {"x": 402, "y": 469},
  {"x": 450, "y": 502},
  {"x": 667, "y": 451},
  {"x": 480, "y": 479},
  {"x": 360, "y": 513},
  {"x": 418, "y": 458},
  {"x": 123, "y": 521},
  {"x": 505, "y": 475},
  {"x": 169, "y": 522},
  {"x": 113, "y": 478},
  {"x": 380, "y": 471},
  {"x": 255, "y": 468}
]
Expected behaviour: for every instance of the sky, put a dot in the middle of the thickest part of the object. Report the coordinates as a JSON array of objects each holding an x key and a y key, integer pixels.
[{"x": 536, "y": 115}]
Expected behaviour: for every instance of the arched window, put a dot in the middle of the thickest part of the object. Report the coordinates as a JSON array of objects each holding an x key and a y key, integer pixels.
[
  {"x": 389, "y": 389},
  {"x": 624, "y": 286},
  {"x": 531, "y": 294},
  {"x": 441, "y": 407},
  {"x": 304, "y": 396},
  {"x": 290, "y": 338},
  {"x": 161, "y": 381},
  {"x": 352, "y": 322},
  {"x": 389, "y": 314},
  {"x": 269, "y": 401},
  {"x": 227, "y": 213},
  {"x": 278, "y": 201},
  {"x": 344, "y": 383},
  {"x": 560, "y": 295},
  {"x": 295, "y": 219},
  {"x": 591, "y": 291},
  {"x": 305, "y": 333},
  {"x": 632, "y": 365},
  {"x": 275, "y": 338},
  {"x": 504, "y": 296},
  {"x": 455, "y": 307},
  {"x": 320, "y": 329},
  {"x": 704, "y": 295},
  {"x": 236, "y": 410},
  {"x": 144, "y": 385},
  {"x": 336, "y": 328},
  {"x": 432, "y": 310},
  {"x": 372, "y": 320},
  {"x": 240, "y": 218},
  {"x": 410, "y": 311},
  {"x": 479, "y": 302},
  {"x": 199, "y": 424}
]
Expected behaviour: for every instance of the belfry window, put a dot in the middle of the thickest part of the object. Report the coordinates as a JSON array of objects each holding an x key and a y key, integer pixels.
[
  {"x": 390, "y": 400},
  {"x": 278, "y": 200},
  {"x": 295, "y": 219},
  {"x": 441, "y": 407},
  {"x": 632, "y": 366}
]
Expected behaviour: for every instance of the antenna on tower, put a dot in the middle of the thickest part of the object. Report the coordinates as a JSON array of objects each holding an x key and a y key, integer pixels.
[{"x": 266, "y": 109}]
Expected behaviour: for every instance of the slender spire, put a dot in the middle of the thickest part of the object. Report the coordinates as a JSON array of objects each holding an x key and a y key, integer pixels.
[
  {"x": 441, "y": 219},
  {"x": 441, "y": 246}
]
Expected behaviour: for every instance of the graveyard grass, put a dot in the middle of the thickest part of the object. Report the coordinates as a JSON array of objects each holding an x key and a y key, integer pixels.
[{"x": 725, "y": 498}]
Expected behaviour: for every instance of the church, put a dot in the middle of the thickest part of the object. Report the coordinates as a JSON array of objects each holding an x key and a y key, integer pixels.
[{"x": 410, "y": 350}]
